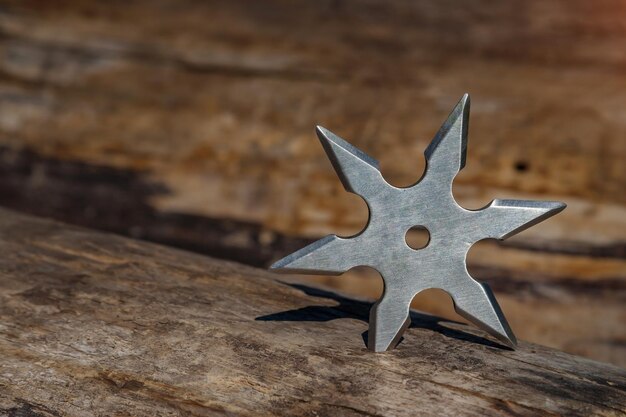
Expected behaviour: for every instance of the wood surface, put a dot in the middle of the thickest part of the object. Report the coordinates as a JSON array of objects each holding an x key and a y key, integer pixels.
[
  {"x": 190, "y": 123},
  {"x": 97, "y": 324}
]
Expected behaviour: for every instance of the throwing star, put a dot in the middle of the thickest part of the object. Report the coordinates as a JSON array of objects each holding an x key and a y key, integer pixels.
[{"x": 431, "y": 205}]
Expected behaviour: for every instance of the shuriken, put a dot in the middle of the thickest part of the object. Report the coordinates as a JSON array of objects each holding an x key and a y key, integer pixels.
[{"x": 430, "y": 204}]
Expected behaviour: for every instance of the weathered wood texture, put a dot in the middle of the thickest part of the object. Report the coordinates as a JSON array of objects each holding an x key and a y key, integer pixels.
[
  {"x": 191, "y": 123},
  {"x": 96, "y": 324},
  {"x": 232, "y": 104}
]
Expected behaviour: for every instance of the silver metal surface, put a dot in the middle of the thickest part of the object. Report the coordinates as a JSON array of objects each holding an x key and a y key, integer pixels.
[{"x": 430, "y": 204}]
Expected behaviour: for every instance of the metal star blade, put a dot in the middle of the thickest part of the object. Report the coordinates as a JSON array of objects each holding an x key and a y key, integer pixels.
[{"x": 430, "y": 204}]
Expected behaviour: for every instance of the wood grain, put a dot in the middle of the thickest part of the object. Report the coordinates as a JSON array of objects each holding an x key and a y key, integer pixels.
[{"x": 96, "y": 324}]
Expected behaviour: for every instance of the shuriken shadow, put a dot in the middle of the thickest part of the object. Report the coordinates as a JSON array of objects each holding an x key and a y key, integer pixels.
[
  {"x": 429, "y": 204},
  {"x": 349, "y": 308}
]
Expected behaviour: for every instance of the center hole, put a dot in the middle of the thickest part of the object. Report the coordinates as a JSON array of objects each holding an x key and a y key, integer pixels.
[{"x": 417, "y": 237}]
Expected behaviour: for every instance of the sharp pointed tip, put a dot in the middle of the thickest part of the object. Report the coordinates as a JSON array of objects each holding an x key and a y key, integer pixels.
[
  {"x": 336, "y": 148},
  {"x": 520, "y": 215},
  {"x": 311, "y": 259},
  {"x": 321, "y": 130},
  {"x": 550, "y": 207},
  {"x": 296, "y": 261},
  {"x": 452, "y": 136},
  {"x": 289, "y": 264},
  {"x": 506, "y": 336},
  {"x": 326, "y": 137},
  {"x": 276, "y": 265},
  {"x": 502, "y": 331},
  {"x": 558, "y": 206},
  {"x": 462, "y": 106},
  {"x": 279, "y": 265},
  {"x": 480, "y": 307},
  {"x": 511, "y": 342}
]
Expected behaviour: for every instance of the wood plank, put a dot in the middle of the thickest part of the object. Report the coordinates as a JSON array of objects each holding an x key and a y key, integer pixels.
[{"x": 100, "y": 324}]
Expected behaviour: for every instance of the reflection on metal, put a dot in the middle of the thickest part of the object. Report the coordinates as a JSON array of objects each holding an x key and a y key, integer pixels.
[{"x": 431, "y": 205}]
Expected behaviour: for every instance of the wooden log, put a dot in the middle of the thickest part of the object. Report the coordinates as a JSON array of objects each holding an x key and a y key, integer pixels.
[{"x": 96, "y": 324}]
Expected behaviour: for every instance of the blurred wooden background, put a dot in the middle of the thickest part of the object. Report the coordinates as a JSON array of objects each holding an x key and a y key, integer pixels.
[{"x": 191, "y": 123}]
